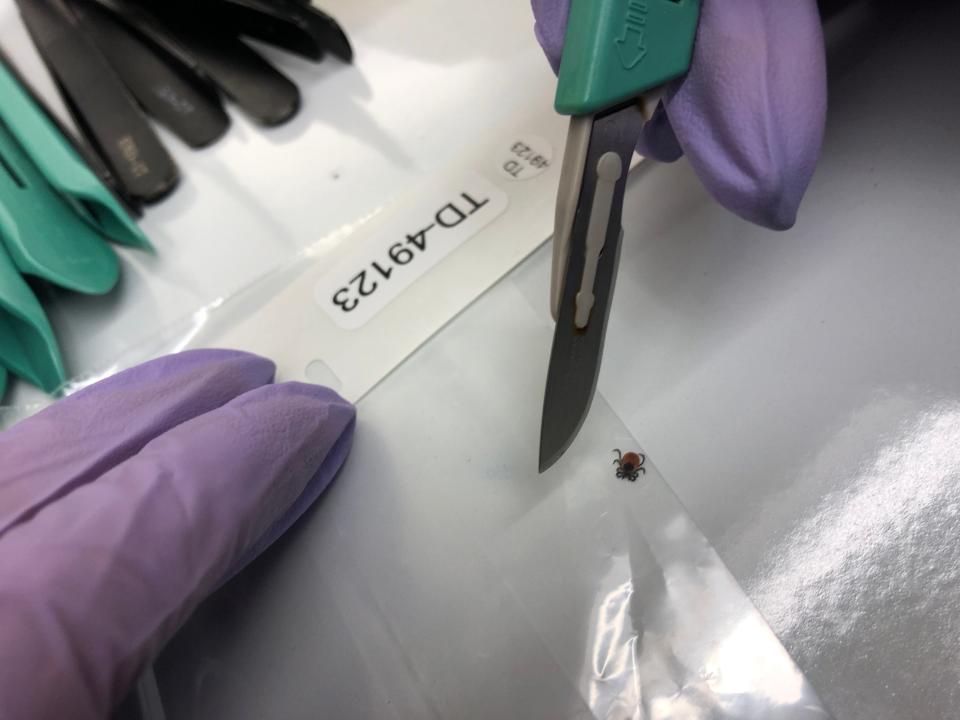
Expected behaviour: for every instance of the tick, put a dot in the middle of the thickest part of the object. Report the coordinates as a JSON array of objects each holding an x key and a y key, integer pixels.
[{"x": 630, "y": 466}]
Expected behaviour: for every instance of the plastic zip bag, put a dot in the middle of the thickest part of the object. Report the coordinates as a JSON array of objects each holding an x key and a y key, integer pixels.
[{"x": 441, "y": 576}]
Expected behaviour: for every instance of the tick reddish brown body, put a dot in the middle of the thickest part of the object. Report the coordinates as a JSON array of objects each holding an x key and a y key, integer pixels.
[{"x": 630, "y": 466}]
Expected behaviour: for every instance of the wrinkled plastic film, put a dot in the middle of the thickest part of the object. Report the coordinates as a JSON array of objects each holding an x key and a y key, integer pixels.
[
  {"x": 441, "y": 576},
  {"x": 497, "y": 197},
  {"x": 370, "y": 134},
  {"x": 280, "y": 314}
]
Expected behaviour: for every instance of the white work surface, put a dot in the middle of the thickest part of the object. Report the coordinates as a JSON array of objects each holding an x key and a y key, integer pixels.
[{"x": 799, "y": 392}]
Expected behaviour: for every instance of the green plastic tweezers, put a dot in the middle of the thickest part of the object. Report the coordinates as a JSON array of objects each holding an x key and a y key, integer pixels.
[{"x": 55, "y": 215}]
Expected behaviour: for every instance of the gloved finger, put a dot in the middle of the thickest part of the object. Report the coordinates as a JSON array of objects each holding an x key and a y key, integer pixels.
[
  {"x": 82, "y": 436},
  {"x": 658, "y": 141},
  {"x": 92, "y": 586},
  {"x": 551, "y": 27},
  {"x": 750, "y": 114},
  {"x": 331, "y": 463}
]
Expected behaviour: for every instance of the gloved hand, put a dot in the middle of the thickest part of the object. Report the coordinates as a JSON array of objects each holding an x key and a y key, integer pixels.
[
  {"x": 122, "y": 506},
  {"x": 750, "y": 113}
]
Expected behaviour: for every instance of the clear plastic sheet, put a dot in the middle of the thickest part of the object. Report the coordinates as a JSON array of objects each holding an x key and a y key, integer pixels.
[
  {"x": 403, "y": 274},
  {"x": 441, "y": 576},
  {"x": 420, "y": 94},
  {"x": 801, "y": 391}
]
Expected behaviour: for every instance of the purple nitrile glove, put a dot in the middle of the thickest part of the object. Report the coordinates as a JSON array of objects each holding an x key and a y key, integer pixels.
[
  {"x": 123, "y": 506},
  {"x": 750, "y": 113}
]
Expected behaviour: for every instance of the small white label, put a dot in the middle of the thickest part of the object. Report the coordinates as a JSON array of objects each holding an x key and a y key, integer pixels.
[
  {"x": 526, "y": 157},
  {"x": 382, "y": 267}
]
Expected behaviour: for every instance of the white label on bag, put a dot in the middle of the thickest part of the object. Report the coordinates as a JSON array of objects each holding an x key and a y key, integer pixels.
[
  {"x": 417, "y": 239},
  {"x": 526, "y": 157}
]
